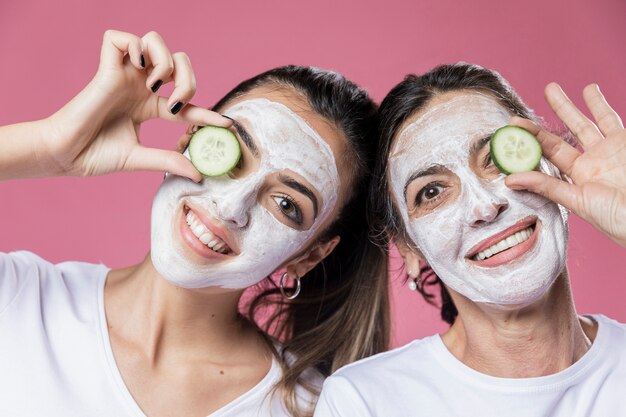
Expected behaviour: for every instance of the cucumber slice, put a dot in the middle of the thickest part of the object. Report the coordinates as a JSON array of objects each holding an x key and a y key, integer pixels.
[
  {"x": 514, "y": 149},
  {"x": 214, "y": 150}
]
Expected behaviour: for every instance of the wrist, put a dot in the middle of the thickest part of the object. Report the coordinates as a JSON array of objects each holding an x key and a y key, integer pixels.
[{"x": 48, "y": 136}]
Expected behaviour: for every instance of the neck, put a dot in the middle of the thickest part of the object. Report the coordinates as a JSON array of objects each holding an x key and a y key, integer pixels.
[
  {"x": 540, "y": 339},
  {"x": 161, "y": 320}
]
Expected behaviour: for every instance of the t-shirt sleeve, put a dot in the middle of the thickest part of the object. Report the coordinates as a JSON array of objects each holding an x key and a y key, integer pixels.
[
  {"x": 339, "y": 398},
  {"x": 15, "y": 269}
]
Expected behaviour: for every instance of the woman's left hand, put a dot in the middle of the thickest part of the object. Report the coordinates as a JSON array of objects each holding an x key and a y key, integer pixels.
[{"x": 598, "y": 191}]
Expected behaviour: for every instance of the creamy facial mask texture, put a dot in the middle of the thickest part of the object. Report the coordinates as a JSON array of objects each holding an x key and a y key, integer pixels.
[
  {"x": 442, "y": 137},
  {"x": 286, "y": 143}
]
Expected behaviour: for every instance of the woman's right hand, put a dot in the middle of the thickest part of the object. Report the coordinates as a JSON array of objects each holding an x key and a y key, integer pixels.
[{"x": 97, "y": 132}]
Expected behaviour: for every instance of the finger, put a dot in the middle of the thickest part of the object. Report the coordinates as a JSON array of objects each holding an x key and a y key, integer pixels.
[
  {"x": 184, "y": 82},
  {"x": 584, "y": 130},
  {"x": 183, "y": 141},
  {"x": 608, "y": 120},
  {"x": 157, "y": 54},
  {"x": 191, "y": 114},
  {"x": 116, "y": 45},
  {"x": 152, "y": 159},
  {"x": 554, "y": 189},
  {"x": 556, "y": 150}
]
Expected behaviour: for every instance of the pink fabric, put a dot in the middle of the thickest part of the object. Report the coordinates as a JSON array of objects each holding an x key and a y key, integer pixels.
[{"x": 50, "y": 50}]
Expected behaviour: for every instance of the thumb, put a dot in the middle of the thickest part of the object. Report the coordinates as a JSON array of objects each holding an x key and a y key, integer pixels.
[
  {"x": 559, "y": 191},
  {"x": 153, "y": 159}
]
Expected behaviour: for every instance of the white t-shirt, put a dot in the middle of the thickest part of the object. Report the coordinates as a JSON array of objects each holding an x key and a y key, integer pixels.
[
  {"x": 55, "y": 353},
  {"x": 424, "y": 379}
]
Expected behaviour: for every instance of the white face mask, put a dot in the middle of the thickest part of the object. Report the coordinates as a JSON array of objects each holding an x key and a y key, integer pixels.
[
  {"x": 443, "y": 137},
  {"x": 286, "y": 143}
]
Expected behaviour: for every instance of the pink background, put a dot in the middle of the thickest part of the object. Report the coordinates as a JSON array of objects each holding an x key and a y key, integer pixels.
[{"x": 50, "y": 50}]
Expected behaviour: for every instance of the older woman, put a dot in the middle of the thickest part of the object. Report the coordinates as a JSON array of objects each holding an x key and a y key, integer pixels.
[{"x": 516, "y": 345}]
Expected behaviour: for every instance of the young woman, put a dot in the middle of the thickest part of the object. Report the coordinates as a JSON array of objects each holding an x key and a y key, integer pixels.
[
  {"x": 516, "y": 345},
  {"x": 165, "y": 337}
]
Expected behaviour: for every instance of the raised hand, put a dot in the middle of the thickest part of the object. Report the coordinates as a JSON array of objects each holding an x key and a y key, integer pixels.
[
  {"x": 598, "y": 173},
  {"x": 97, "y": 132}
]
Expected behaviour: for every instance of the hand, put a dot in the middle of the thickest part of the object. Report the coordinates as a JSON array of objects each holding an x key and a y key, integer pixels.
[
  {"x": 598, "y": 191},
  {"x": 98, "y": 131}
]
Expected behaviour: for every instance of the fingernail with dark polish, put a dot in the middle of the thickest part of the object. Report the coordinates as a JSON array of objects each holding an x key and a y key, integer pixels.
[
  {"x": 155, "y": 87},
  {"x": 143, "y": 61},
  {"x": 176, "y": 107}
]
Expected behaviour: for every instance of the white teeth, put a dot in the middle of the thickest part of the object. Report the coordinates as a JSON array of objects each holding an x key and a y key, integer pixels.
[
  {"x": 511, "y": 241},
  {"x": 505, "y": 244},
  {"x": 204, "y": 235},
  {"x": 205, "y": 238}
]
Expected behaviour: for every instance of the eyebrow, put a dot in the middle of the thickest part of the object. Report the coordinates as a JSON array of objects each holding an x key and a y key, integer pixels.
[
  {"x": 301, "y": 188},
  {"x": 245, "y": 137},
  {"x": 432, "y": 170},
  {"x": 479, "y": 144}
]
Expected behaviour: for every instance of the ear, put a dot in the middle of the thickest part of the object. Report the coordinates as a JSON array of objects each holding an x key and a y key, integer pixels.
[
  {"x": 411, "y": 256},
  {"x": 307, "y": 261}
]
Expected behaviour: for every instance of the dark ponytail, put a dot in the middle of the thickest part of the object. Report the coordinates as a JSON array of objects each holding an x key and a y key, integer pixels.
[{"x": 342, "y": 312}]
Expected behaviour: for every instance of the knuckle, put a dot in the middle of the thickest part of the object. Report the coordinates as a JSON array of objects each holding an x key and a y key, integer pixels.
[
  {"x": 136, "y": 41},
  {"x": 165, "y": 68},
  {"x": 108, "y": 34},
  {"x": 182, "y": 56},
  {"x": 579, "y": 129},
  {"x": 152, "y": 34},
  {"x": 607, "y": 118}
]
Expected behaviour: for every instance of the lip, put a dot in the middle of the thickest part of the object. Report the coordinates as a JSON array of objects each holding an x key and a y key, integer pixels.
[
  {"x": 510, "y": 254},
  {"x": 192, "y": 241}
]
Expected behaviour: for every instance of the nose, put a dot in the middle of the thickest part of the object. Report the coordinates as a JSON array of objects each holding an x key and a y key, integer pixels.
[
  {"x": 487, "y": 212},
  {"x": 231, "y": 214},
  {"x": 485, "y": 206},
  {"x": 233, "y": 205}
]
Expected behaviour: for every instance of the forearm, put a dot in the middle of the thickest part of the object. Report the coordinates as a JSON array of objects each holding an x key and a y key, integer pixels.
[{"x": 23, "y": 151}]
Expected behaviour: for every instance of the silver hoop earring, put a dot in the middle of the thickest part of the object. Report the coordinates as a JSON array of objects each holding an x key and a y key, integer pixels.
[{"x": 282, "y": 287}]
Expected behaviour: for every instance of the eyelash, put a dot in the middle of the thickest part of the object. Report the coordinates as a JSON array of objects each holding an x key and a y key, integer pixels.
[
  {"x": 488, "y": 162},
  {"x": 297, "y": 219},
  {"x": 419, "y": 198}
]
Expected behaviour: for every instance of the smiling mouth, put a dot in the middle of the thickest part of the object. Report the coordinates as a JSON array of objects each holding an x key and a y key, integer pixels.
[
  {"x": 505, "y": 244},
  {"x": 204, "y": 235}
]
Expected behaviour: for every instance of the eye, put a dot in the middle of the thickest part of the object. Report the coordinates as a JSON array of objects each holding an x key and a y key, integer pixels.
[
  {"x": 289, "y": 208},
  {"x": 240, "y": 162},
  {"x": 488, "y": 162},
  {"x": 429, "y": 193}
]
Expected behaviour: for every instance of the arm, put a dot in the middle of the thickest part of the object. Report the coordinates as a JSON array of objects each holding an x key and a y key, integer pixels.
[
  {"x": 597, "y": 193},
  {"x": 97, "y": 132}
]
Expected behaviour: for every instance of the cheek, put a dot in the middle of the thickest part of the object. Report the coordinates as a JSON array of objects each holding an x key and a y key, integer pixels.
[
  {"x": 268, "y": 242},
  {"x": 439, "y": 231}
]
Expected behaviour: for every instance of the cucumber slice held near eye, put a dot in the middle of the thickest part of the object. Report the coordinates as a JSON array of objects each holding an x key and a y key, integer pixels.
[
  {"x": 514, "y": 149},
  {"x": 214, "y": 150}
]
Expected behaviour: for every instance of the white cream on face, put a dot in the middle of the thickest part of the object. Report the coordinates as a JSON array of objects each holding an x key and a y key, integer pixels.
[
  {"x": 285, "y": 143},
  {"x": 443, "y": 136}
]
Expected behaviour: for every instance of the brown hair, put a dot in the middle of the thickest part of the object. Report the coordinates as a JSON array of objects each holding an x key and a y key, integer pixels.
[
  {"x": 408, "y": 97},
  {"x": 342, "y": 312}
]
